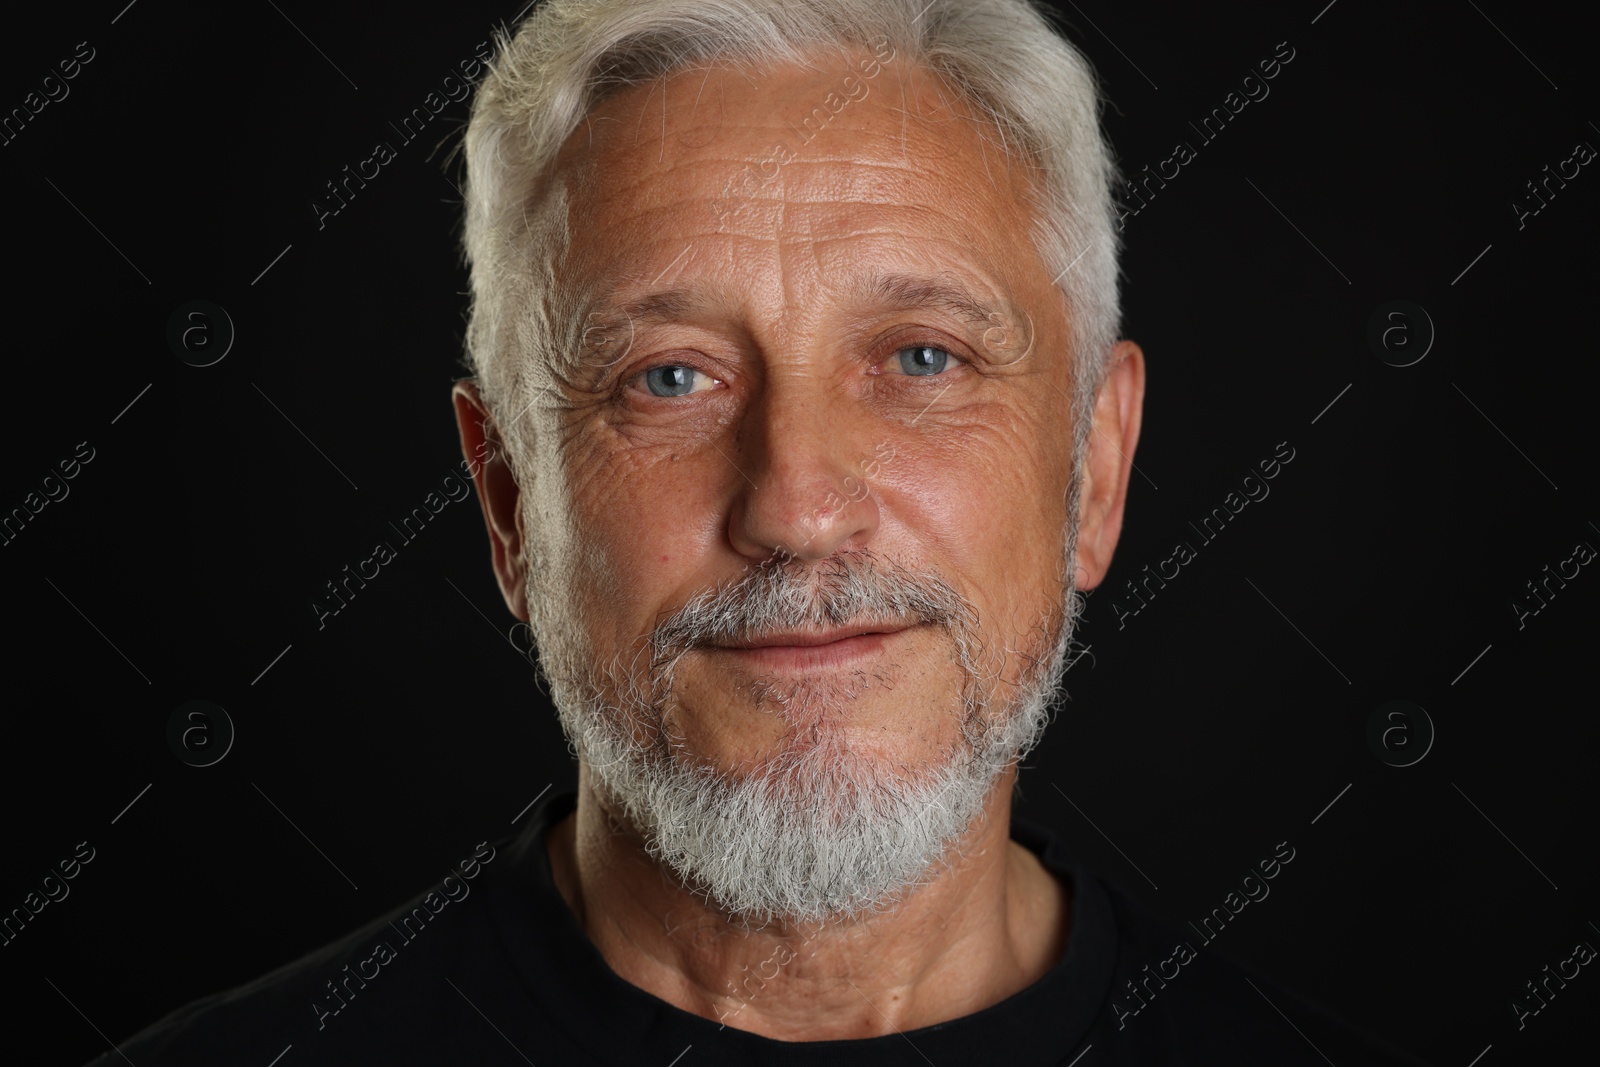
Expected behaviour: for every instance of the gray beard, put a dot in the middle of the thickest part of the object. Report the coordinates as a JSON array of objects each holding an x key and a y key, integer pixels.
[{"x": 819, "y": 831}]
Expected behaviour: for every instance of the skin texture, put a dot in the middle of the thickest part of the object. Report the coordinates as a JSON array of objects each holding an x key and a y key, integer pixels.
[{"x": 639, "y": 502}]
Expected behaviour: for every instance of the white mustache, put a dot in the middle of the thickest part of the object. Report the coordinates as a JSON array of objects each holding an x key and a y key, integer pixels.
[{"x": 846, "y": 589}]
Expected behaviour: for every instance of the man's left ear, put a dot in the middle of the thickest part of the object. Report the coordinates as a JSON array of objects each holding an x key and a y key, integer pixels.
[{"x": 1118, "y": 411}]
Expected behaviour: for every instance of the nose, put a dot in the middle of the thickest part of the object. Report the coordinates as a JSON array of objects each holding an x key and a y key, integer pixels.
[{"x": 803, "y": 451}]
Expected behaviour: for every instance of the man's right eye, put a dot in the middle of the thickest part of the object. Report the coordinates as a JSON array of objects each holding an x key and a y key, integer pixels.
[{"x": 677, "y": 380}]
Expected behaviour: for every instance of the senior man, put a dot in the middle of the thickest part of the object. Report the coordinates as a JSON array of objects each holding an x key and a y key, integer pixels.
[{"x": 795, "y": 361}]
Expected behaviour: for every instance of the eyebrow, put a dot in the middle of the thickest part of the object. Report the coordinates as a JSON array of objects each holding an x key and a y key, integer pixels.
[
  {"x": 914, "y": 291},
  {"x": 886, "y": 291}
]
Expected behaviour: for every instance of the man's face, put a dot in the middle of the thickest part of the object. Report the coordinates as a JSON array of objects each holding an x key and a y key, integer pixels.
[{"x": 773, "y": 394}]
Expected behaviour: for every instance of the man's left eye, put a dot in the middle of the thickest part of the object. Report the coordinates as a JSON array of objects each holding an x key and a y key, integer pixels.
[
  {"x": 922, "y": 360},
  {"x": 676, "y": 380}
]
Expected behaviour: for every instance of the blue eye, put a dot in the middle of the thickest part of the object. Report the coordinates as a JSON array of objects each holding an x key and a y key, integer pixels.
[
  {"x": 923, "y": 360},
  {"x": 673, "y": 380}
]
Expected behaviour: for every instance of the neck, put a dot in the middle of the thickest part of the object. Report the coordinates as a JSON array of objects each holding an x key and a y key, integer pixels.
[{"x": 987, "y": 925}]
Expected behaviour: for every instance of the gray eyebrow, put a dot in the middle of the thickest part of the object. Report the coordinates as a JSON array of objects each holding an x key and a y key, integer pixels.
[
  {"x": 910, "y": 291},
  {"x": 893, "y": 290}
]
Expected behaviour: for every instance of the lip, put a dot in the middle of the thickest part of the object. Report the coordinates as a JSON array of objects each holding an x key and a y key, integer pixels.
[{"x": 800, "y": 650}]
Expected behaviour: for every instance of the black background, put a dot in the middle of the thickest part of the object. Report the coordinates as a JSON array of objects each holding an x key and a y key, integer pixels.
[{"x": 1221, "y": 719}]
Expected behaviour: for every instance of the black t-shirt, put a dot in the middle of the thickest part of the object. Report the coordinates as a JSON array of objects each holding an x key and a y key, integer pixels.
[{"x": 491, "y": 967}]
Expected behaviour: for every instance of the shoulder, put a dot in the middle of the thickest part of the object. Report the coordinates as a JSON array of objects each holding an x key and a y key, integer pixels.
[
  {"x": 1173, "y": 999},
  {"x": 1163, "y": 994},
  {"x": 331, "y": 1005}
]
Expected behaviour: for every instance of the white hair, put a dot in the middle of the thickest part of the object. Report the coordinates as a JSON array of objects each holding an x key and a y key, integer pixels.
[{"x": 568, "y": 56}]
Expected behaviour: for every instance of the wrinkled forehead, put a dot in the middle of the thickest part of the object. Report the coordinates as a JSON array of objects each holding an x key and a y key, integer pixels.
[{"x": 810, "y": 149}]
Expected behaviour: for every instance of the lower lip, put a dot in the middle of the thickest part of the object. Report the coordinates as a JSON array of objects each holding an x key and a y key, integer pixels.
[{"x": 810, "y": 657}]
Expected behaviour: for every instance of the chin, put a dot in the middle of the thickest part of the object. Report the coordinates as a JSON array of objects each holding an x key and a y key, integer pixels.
[{"x": 826, "y": 827}]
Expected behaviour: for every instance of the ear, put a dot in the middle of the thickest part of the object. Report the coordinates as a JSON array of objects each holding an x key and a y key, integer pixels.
[
  {"x": 498, "y": 493},
  {"x": 1118, "y": 411}
]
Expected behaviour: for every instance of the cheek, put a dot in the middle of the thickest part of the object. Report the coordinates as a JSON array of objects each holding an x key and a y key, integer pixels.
[
  {"x": 644, "y": 525},
  {"x": 989, "y": 512}
]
